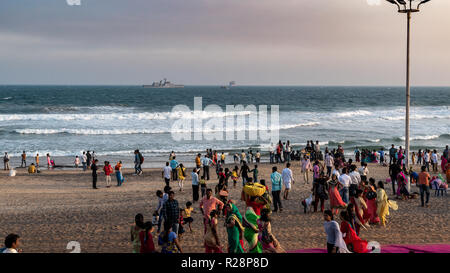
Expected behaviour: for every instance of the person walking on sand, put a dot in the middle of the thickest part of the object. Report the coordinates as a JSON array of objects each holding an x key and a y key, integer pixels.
[
  {"x": 84, "y": 161},
  {"x": 48, "y": 161},
  {"x": 335, "y": 240},
  {"x": 306, "y": 168},
  {"x": 171, "y": 211},
  {"x": 94, "y": 169},
  {"x": 206, "y": 162},
  {"x": 288, "y": 178},
  {"x": 181, "y": 176},
  {"x": 195, "y": 184},
  {"x": 212, "y": 242},
  {"x": 166, "y": 173},
  {"x": 174, "y": 165},
  {"x": 119, "y": 175},
  {"x": 345, "y": 181},
  {"x": 424, "y": 184},
  {"x": 76, "y": 162},
  {"x": 108, "y": 170},
  {"x": 24, "y": 160},
  {"x": 277, "y": 181},
  {"x": 434, "y": 161},
  {"x": 383, "y": 204},
  {"x": 208, "y": 204},
  {"x": 6, "y": 161},
  {"x": 88, "y": 159},
  {"x": 36, "y": 160}
]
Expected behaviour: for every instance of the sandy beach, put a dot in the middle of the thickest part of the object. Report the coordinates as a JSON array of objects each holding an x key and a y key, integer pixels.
[{"x": 57, "y": 206}]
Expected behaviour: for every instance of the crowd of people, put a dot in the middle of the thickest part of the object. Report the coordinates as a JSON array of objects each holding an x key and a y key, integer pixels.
[{"x": 358, "y": 200}]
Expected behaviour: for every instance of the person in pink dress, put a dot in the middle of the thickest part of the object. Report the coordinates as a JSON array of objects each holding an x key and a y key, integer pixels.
[{"x": 335, "y": 198}]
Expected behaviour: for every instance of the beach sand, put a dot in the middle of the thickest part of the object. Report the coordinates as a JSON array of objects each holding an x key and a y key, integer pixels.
[{"x": 57, "y": 206}]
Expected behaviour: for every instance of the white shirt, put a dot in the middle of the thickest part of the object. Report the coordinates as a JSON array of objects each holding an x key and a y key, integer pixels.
[
  {"x": 336, "y": 172},
  {"x": 345, "y": 180},
  {"x": 10, "y": 250},
  {"x": 287, "y": 175},
  {"x": 329, "y": 161},
  {"x": 355, "y": 177},
  {"x": 83, "y": 158},
  {"x": 434, "y": 157},
  {"x": 363, "y": 171},
  {"x": 167, "y": 171},
  {"x": 426, "y": 157}
]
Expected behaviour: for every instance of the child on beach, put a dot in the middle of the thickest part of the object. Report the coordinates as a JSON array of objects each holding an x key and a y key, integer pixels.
[
  {"x": 76, "y": 162},
  {"x": 181, "y": 176},
  {"x": 187, "y": 213},
  {"x": 108, "y": 170},
  {"x": 235, "y": 175},
  {"x": 255, "y": 174},
  {"x": 202, "y": 183},
  {"x": 181, "y": 224}
]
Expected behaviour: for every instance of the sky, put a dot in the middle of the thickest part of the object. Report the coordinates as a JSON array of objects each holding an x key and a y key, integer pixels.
[{"x": 212, "y": 42}]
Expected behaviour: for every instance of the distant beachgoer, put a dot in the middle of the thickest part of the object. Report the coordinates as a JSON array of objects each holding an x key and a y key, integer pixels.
[
  {"x": 108, "y": 170},
  {"x": 49, "y": 164},
  {"x": 345, "y": 181},
  {"x": 195, "y": 184},
  {"x": 198, "y": 161},
  {"x": 6, "y": 159},
  {"x": 119, "y": 175},
  {"x": 424, "y": 184},
  {"x": 146, "y": 239},
  {"x": 188, "y": 215},
  {"x": 135, "y": 230},
  {"x": 24, "y": 160},
  {"x": 174, "y": 165},
  {"x": 36, "y": 159},
  {"x": 235, "y": 175},
  {"x": 32, "y": 168},
  {"x": 138, "y": 160},
  {"x": 434, "y": 161},
  {"x": 255, "y": 173},
  {"x": 206, "y": 162},
  {"x": 383, "y": 204},
  {"x": 320, "y": 192},
  {"x": 84, "y": 161},
  {"x": 181, "y": 176},
  {"x": 166, "y": 173},
  {"x": 202, "y": 183},
  {"x": 335, "y": 240},
  {"x": 277, "y": 181},
  {"x": 76, "y": 162},
  {"x": 287, "y": 180},
  {"x": 12, "y": 244},
  {"x": 244, "y": 173},
  {"x": 94, "y": 169},
  {"x": 88, "y": 159}
]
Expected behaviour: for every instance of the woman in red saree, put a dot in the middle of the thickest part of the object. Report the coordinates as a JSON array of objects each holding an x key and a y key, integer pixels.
[
  {"x": 353, "y": 242},
  {"x": 370, "y": 197},
  {"x": 335, "y": 198}
]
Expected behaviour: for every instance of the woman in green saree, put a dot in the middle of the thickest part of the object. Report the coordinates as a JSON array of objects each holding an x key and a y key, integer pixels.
[
  {"x": 234, "y": 229},
  {"x": 251, "y": 231}
]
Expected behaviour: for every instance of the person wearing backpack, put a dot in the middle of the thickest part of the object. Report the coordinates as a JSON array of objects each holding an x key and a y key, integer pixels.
[{"x": 6, "y": 161}]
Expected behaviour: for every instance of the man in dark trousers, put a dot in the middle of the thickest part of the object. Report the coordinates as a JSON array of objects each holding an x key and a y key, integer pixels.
[{"x": 94, "y": 174}]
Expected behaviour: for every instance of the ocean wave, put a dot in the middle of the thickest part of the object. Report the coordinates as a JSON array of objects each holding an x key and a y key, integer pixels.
[
  {"x": 354, "y": 113},
  {"x": 152, "y": 131},
  {"x": 6, "y": 98},
  {"x": 121, "y": 116}
]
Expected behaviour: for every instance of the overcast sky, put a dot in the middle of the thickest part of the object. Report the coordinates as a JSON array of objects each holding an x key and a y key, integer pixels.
[{"x": 254, "y": 42}]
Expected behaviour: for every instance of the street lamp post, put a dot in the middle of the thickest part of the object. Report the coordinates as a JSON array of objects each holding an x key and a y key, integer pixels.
[{"x": 407, "y": 7}]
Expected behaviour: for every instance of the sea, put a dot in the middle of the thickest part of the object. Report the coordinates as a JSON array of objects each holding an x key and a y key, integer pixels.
[{"x": 113, "y": 121}]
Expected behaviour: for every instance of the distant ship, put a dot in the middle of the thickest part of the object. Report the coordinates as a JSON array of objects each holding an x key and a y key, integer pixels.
[
  {"x": 231, "y": 84},
  {"x": 163, "y": 84}
]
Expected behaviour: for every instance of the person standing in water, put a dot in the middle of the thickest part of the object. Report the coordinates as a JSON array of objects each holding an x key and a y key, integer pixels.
[{"x": 24, "y": 160}]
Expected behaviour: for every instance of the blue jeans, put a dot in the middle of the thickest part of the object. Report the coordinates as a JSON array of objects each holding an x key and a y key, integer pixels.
[
  {"x": 345, "y": 194},
  {"x": 84, "y": 166},
  {"x": 120, "y": 178},
  {"x": 424, "y": 189}
]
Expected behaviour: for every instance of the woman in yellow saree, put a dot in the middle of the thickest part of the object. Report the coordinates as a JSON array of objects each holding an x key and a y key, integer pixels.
[{"x": 383, "y": 203}]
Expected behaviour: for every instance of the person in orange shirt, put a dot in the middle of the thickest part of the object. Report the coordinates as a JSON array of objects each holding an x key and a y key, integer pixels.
[
  {"x": 198, "y": 161},
  {"x": 208, "y": 204},
  {"x": 424, "y": 184}
]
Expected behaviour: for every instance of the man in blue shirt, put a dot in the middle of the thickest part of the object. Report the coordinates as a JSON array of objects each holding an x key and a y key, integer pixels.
[
  {"x": 381, "y": 152},
  {"x": 206, "y": 162},
  {"x": 277, "y": 181},
  {"x": 174, "y": 165}
]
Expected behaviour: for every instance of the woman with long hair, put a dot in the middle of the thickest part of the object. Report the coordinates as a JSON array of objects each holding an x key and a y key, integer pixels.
[
  {"x": 336, "y": 202},
  {"x": 181, "y": 176},
  {"x": 168, "y": 240},
  {"x": 268, "y": 241},
  {"x": 135, "y": 230},
  {"x": 351, "y": 239},
  {"x": 146, "y": 238},
  {"x": 212, "y": 242}
]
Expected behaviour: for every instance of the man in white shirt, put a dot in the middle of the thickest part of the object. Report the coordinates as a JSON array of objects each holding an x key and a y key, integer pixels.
[
  {"x": 355, "y": 180},
  {"x": 434, "y": 161},
  {"x": 12, "y": 242},
  {"x": 345, "y": 181},
  {"x": 329, "y": 162},
  {"x": 206, "y": 162},
  {"x": 166, "y": 173},
  {"x": 84, "y": 161},
  {"x": 287, "y": 176},
  {"x": 426, "y": 159}
]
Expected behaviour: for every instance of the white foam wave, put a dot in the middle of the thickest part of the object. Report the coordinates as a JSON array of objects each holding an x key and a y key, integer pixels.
[
  {"x": 422, "y": 137},
  {"x": 354, "y": 113}
]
